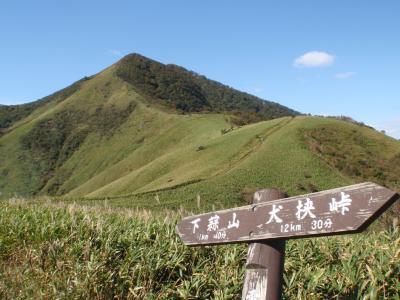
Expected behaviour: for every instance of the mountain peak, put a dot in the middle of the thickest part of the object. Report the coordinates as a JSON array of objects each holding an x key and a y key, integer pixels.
[
  {"x": 188, "y": 91},
  {"x": 135, "y": 57}
]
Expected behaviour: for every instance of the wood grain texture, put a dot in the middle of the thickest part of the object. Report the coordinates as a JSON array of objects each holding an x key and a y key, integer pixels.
[
  {"x": 342, "y": 210},
  {"x": 265, "y": 260}
]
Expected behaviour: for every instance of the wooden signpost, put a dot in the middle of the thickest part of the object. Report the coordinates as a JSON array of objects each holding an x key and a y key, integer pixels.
[{"x": 272, "y": 219}]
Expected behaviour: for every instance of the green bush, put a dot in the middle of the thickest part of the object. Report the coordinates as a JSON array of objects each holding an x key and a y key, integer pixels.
[{"x": 70, "y": 252}]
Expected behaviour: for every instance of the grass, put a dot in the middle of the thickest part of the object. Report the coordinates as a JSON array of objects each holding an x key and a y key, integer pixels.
[
  {"x": 53, "y": 250},
  {"x": 362, "y": 157},
  {"x": 154, "y": 152}
]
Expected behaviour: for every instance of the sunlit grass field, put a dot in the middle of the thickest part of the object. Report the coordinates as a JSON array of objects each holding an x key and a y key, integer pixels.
[
  {"x": 120, "y": 146},
  {"x": 271, "y": 154},
  {"x": 53, "y": 250}
]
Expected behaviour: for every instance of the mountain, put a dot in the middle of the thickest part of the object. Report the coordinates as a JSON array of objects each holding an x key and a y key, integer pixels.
[
  {"x": 13, "y": 113},
  {"x": 169, "y": 85},
  {"x": 141, "y": 133},
  {"x": 190, "y": 92}
]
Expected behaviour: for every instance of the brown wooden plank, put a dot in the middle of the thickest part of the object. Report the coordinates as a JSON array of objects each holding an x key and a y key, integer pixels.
[
  {"x": 265, "y": 260},
  {"x": 337, "y": 211}
]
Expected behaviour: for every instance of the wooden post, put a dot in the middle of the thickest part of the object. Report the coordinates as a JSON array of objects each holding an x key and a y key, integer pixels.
[
  {"x": 273, "y": 218},
  {"x": 265, "y": 260}
]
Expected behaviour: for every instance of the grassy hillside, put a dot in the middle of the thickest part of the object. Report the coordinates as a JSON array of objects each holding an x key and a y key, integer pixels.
[
  {"x": 231, "y": 166},
  {"x": 180, "y": 158},
  {"x": 9, "y": 115},
  {"x": 111, "y": 137},
  {"x": 50, "y": 251},
  {"x": 59, "y": 143}
]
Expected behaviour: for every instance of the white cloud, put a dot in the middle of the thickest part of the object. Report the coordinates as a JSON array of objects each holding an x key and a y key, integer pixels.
[
  {"x": 345, "y": 75},
  {"x": 115, "y": 52},
  {"x": 314, "y": 59}
]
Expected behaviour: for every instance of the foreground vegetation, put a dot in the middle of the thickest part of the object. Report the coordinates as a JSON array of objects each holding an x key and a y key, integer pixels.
[{"x": 51, "y": 250}]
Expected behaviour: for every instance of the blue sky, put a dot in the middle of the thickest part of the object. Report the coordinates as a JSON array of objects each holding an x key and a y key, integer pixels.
[{"x": 318, "y": 57}]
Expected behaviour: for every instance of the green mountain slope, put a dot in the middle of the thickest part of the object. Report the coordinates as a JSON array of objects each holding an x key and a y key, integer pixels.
[
  {"x": 9, "y": 115},
  {"x": 115, "y": 137},
  {"x": 44, "y": 143}
]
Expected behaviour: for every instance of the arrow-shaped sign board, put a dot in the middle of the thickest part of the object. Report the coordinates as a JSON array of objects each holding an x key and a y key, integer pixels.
[{"x": 342, "y": 210}]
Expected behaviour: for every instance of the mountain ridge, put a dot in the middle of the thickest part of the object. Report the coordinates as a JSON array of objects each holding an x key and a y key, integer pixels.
[
  {"x": 105, "y": 138},
  {"x": 192, "y": 92},
  {"x": 10, "y": 114}
]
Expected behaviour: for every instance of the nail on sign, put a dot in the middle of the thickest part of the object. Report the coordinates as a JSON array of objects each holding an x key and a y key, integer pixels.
[{"x": 341, "y": 210}]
